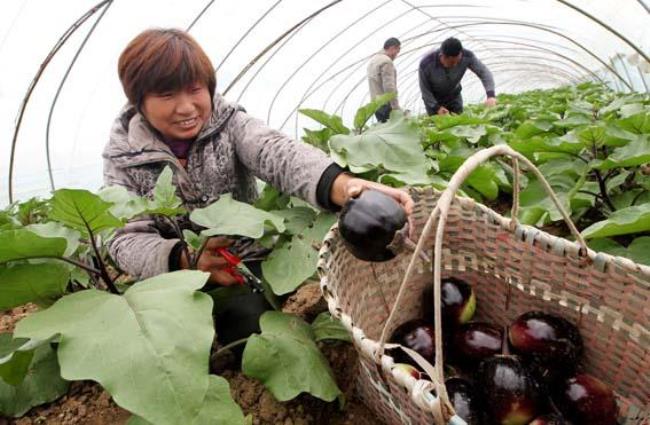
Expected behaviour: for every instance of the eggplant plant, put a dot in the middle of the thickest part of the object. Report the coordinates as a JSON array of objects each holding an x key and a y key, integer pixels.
[{"x": 147, "y": 343}]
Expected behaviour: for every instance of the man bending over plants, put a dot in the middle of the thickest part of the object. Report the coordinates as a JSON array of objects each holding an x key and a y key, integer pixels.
[{"x": 441, "y": 72}]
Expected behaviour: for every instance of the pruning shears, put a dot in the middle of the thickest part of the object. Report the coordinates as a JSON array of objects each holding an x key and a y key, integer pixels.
[{"x": 239, "y": 271}]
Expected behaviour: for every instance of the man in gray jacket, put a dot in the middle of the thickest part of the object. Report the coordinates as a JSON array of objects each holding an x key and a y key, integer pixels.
[
  {"x": 441, "y": 72},
  {"x": 382, "y": 77}
]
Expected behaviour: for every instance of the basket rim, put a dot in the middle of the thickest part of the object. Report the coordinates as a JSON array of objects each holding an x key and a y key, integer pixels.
[{"x": 559, "y": 245}]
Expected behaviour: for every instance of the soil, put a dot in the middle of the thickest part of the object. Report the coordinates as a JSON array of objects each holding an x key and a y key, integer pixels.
[{"x": 86, "y": 403}]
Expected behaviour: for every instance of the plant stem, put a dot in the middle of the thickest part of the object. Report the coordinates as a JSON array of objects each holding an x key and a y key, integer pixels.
[
  {"x": 597, "y": 195},
  {"x": 194, "y": 261},
  {"x": 179, "y": 232},
  {"x": 601, "y": 182},
  {"x": 636, "y": 198},
  {"x": 603, "y": 191},
  {"x": 102, "y": 267},
  {"x": 231, "y": 345},
  {"x": 79, "y": 264}
]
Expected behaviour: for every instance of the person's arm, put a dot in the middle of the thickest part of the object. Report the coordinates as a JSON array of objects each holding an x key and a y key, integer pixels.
[
  {"x": 292, "y": 167},
  {"x": 430, "y": 102},
  {"x": 137, "y": 248},
  {"x": 484, "y": 74},
  {"x": 389, "y": 82}
]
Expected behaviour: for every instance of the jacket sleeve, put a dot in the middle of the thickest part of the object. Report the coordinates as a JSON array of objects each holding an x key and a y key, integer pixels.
[
  {"x": 484, "y": 74},
  {"x": 291, "y": 167},
  {"x": 389, "y": 82},
  {"x": 430, "y": 102},
  {"x": 137, "y": 248}
]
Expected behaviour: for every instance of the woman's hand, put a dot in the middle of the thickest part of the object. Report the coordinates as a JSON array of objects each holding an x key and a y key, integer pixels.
[
  {"x": 346, "y": 187},
  {"x": 213, "y": 263}
]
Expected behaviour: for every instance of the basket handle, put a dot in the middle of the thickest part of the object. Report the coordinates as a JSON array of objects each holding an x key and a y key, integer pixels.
[{"x": 440, "y": 212}]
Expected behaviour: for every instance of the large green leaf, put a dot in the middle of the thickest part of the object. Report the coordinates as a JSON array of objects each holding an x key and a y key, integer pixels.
[
  {"x": 571, "y": 167},
  {"x": 592, "y": 135},
  {"x": 483, "y": 179},
  {"x": 54, "y": 229},
  {"x": 333, "y": 122},
  {"x": 271, "y": 199},
  {"x": 42, "y": 384},
  {"x": 443, "y": 122},
  {"x": 327, "y": 327},
  {"x": 14, "y": 363},
  {"x": 286, "y": 359},
  {"x": 470, "y": 133},
  {"x": 633, "y": 154},
  {"x": 218, "y": 407},
  {"x": 393, "y": 146},
  {"x": 16, "y": 355},
  {"x": 625, "y": 198},
  {"x": 230, "y": 217},
  {"x": 148, "y": 348},
  {"x": 365, "y": 112},
  {"x": 294, "y": 261},
  {"x": 165, "y": 201},
  {"x": 80, "y": 210},
  {"x": 289, "y": 265},
  {"x": 537, "y": 208},
  {"x": 318, "y": 138},
  {"x": 40, "y": 283},
  {"x": 637, "y": 124},
  {"x": 634, "y": 219},
  {"x": 296, "y": 218},
  {"x": 638, "y": 251},
  {"x": 126, "y": 205},
  {"x": 20, "y": 244},
  {"x": 534, "y": 128},
  {"x": 568, "y": 143}
]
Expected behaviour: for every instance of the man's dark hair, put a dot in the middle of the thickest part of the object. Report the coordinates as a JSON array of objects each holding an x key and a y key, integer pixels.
[
  {"x": 391, "y": 42},
  {"x": 451, "y": 47}
]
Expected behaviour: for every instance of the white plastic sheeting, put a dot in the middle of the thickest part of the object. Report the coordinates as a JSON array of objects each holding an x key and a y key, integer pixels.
[{"x": 276, "y": 56}]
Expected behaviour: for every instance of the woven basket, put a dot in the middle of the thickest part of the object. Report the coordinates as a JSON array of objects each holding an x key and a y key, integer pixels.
[{"x": 513, "y": 269}]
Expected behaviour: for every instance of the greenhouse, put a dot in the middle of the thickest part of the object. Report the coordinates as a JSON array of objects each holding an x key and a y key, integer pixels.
[{"x": 325, "y": 212}]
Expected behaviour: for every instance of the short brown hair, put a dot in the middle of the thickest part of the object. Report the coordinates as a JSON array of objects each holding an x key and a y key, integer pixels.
[{"x": 160, "y": 60}]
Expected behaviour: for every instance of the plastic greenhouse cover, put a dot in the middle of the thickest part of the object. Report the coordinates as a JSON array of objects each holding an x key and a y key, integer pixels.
[{"x": 276, "y": 56}]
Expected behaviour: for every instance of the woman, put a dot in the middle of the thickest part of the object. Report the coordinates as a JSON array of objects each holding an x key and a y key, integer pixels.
[{"x": 175, "y": 118}]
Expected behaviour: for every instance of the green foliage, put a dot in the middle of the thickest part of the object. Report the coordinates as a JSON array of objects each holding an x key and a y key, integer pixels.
[
  {"x": 393, "y": 146},
  {"x": 294, "y": 259},
  {"x": 287, "y": 360},
  {"x": 634, "y": 219},
  {"x": 42, "y": 384},
  {"x": 83, "y": 211},
  {"x": 638, "y": 251},
  {"x": 326, "y": 327},
  {"x": 332, "y": 122},
  {"x": 21, "y": 244},
  {"x": 230, "y": 217},
  {"x": 152, "y": 351},
  {"x": 367, "y": 111},
  {"x": 218, "y": 407},
  {"x": 40, "y": 283}
]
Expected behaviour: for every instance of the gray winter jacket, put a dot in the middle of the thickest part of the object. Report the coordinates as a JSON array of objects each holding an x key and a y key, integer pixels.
[
  {"x": 228, "y": 153},
  {"x": 382, "y": 77},
  {"x": 439, "y": 84}
]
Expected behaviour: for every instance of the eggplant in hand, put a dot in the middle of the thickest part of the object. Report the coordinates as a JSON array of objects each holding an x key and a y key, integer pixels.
[{"x": 368, "y": 225}]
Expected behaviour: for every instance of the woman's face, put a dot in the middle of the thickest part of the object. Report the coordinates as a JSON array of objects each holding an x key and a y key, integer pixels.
[{"x": 181, "y": 114}]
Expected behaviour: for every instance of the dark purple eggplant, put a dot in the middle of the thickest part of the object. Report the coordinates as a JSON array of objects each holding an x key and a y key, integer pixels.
[{"x": 368, "y": 225}]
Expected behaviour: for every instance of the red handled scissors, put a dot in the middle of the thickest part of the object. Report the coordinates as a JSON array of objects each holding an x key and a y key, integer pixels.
[{"x": 239, "y": 271}]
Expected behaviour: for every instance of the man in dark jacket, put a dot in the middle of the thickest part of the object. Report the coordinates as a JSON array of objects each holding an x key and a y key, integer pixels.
[{"x": 440, "y": 74}]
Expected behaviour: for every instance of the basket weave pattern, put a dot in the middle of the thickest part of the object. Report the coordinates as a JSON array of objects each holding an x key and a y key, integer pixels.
[{"x": 512, "y": 271}]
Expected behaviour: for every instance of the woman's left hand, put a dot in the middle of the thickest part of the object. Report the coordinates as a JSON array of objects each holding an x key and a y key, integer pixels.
[{"x": 346, "y": 187}]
